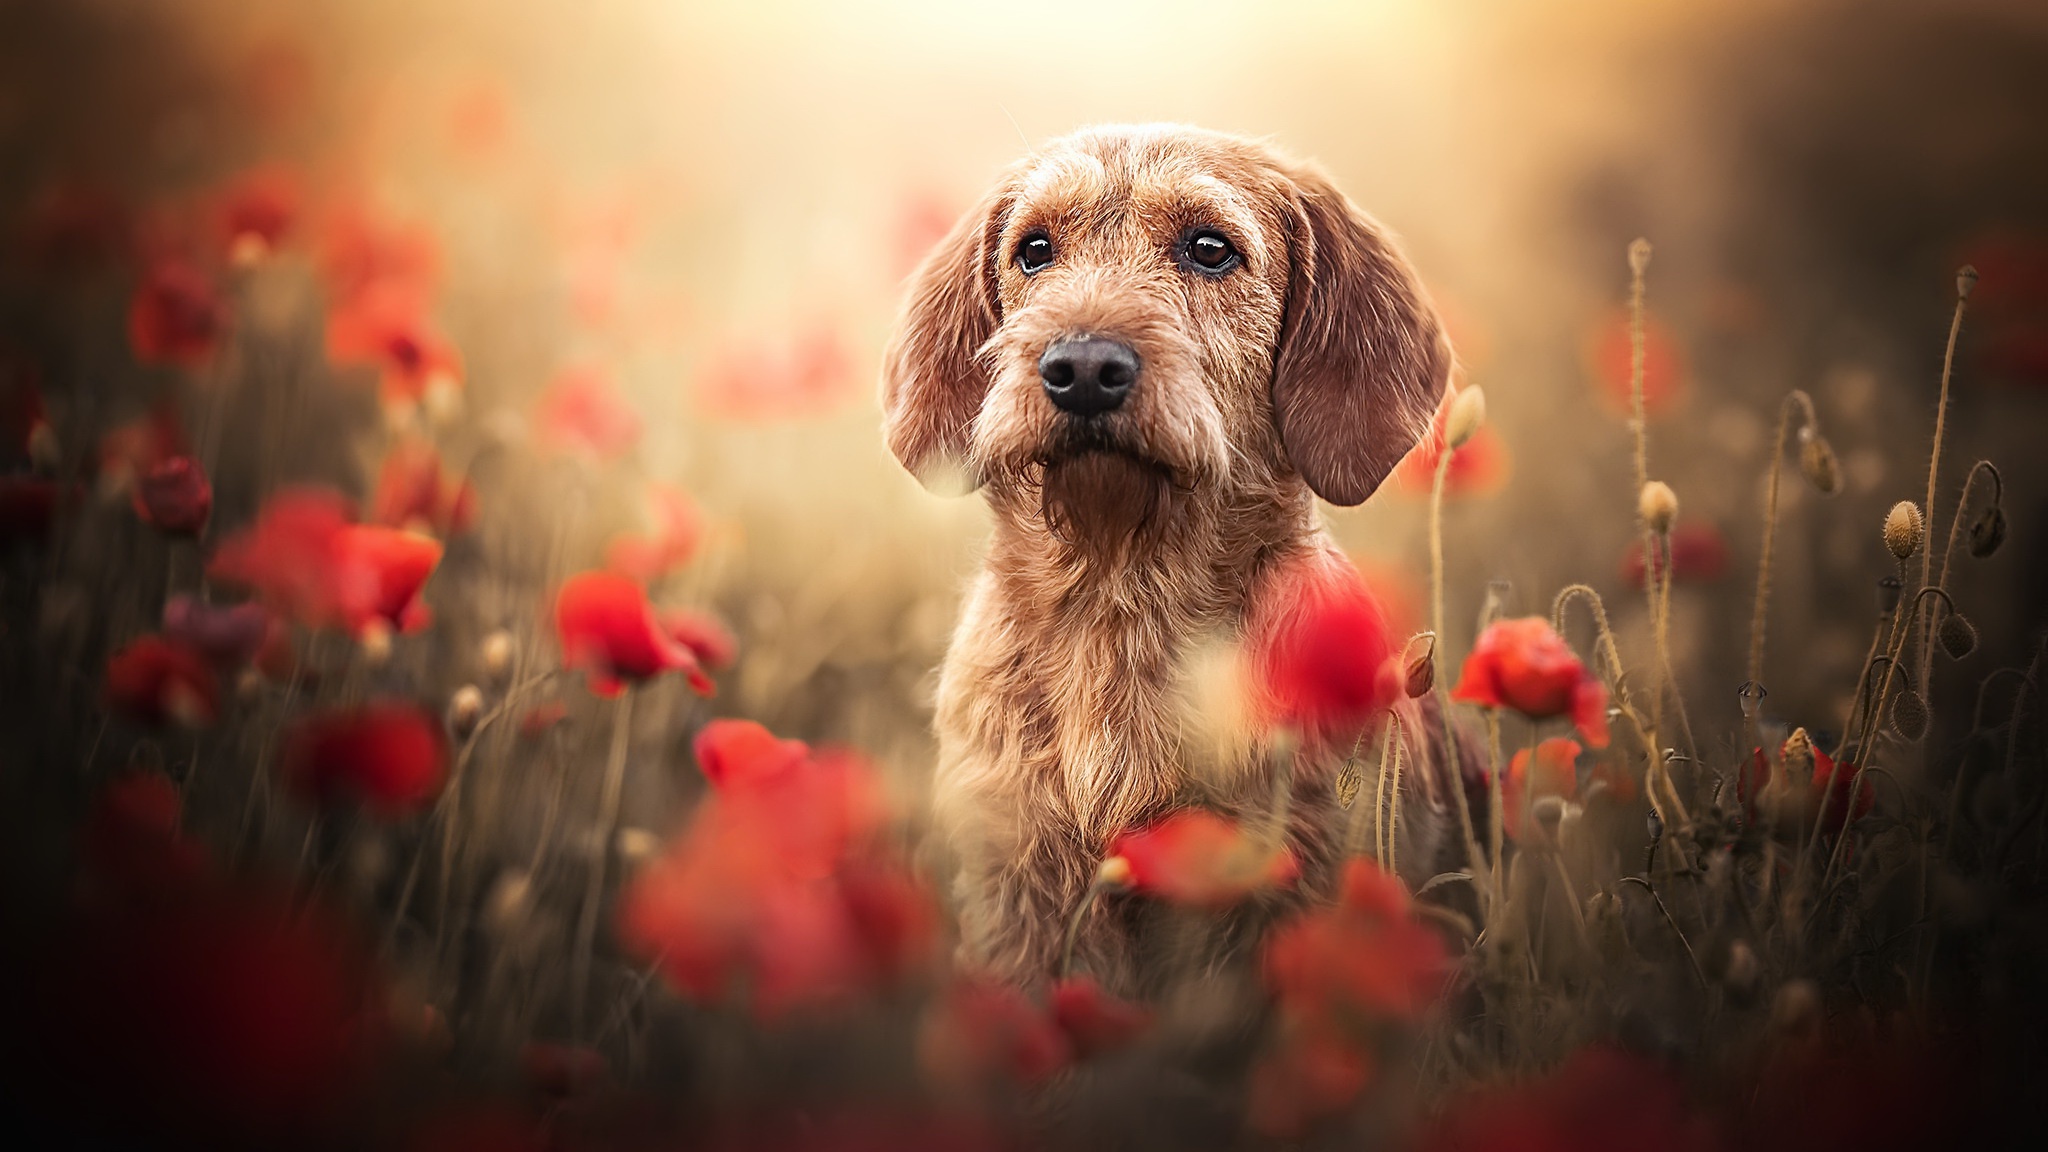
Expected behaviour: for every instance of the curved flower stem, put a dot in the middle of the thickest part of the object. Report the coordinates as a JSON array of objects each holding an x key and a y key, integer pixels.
[
  {"x": 1873, "y": 717},
  {"x": 1763, "y": 565},
  {"x": 1948, "y": 363},
  {"x": 1495, "y": 798},
  {"x": 1948, "y": 552},
  {"x": 1667, "y": 683},
  {"x": 1443, "y": 703},
  {"x": 1697, "y": 973},
  {"x": 1885, "y": 622},
  {"x": 593, "y": 894}
]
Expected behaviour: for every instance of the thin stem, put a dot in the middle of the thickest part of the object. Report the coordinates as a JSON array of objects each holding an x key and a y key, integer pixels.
[
  {"x": 1638, "y": 360},
  {"x": 1395, "y": 745},
  {"x": 1496, "y": 800},
  {"x": 608, "y": 823},
  {"x": 1948, "y": 361},
  {"x": 1948, "y": 552},
  {"x": 1763, "y": 565},
  {"x": 1697, "y": 972},
  {"x": 1443, "y": 703}
]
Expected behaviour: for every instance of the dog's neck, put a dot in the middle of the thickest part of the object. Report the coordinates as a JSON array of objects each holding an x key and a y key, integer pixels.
[{"x": 1107, "y": 623}]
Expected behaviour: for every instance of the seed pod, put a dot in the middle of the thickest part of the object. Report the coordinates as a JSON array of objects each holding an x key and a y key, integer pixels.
[
  {"x": 1468, "y": 412},
  {"x": 1655, "y": 824},
  {"x": 495, "y": 655},
  {"x": 1657, "y": 504},
  {"x": 1966, "y": 279},
  {"x": 1958, "y": 636},
  {"x": 1909, "y": 714},
  {"x": 1888, "y": 589},
  {"x": 1903, "y": 529},
  {"x": 1638, "y": 256},
  {"x": 1742, "y": 970},
  {"x": 1817, "y": 461},
  {"x": 1796, "y": 756},
  {"x": 1114, "y": 872},
  {"x": 1987, "y": 531},
  {"x": 374, "y": 645},
  {"x": 465, "y": 709},
  {"x": 1605, "y": 925}
]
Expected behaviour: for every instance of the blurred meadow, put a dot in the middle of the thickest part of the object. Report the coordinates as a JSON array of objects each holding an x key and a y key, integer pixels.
[{"x": 449, "y": 337}]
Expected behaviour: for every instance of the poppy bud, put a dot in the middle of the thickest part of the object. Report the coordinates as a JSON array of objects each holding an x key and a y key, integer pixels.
[
  {"x": 1987, "y": 532},
  {"x": 496, "y": 656},
  {"x": 375, "y": 644},
  {"x": 638, "y": 845},
  {"x": 1903, "y": 529},
  {"x": 1468, "y": 412},
  {"x": 1655, "y": 824},
  {"x": 1958, "y": 636},
  {"x": 1817, "y": 461},
  {"x": 1604, "y": 924},
  {"x": 1742, "y": 970},
  {"x": 174, "y": 496},
  {"x": 1421, "y": 675},
  {"x": 465, "y": 709},
  {"x": 1909, "y": 714},
  {"x": 1115, "y": 872},
  {"x": 1888, "y": 589},
  {"x": 1638, "y": 256},
  {"x": 1657, "y": 504},
  {"x": 1966, "y": 279},
  {"x": 1796, "y": 756},
  {"x": 1549, "y": 812}
]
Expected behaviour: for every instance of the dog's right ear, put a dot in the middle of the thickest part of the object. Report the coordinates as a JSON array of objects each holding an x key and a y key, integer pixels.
[{"x": 933, "y": 380}]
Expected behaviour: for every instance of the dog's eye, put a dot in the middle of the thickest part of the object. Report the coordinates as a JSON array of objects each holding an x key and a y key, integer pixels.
[
  {"x": 1211, "y": 252},
  {"x": 1034, "y": 253}
]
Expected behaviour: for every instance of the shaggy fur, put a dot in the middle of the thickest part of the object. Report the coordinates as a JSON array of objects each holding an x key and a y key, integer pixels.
[{"x": 1125, "y": 544}]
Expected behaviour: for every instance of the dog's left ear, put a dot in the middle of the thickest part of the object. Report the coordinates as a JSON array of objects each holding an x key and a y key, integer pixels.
[
  {"x": 1362, "y": 361},
  {"x": 933, "y": 380}
]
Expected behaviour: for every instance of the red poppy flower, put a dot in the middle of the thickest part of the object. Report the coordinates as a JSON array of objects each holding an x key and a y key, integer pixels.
[
  {"x": 1833, "y": 785},
  {"x": 256, "y": 210},
  {"x": 1699, "y": 554},
  {"x": 777, "y": 886},
  {"x": 1610, "y": 355},
  {"x": 1095, "y": 1021},
  {"x": 707, "y": 638},
  {"x": 1601, "y": 1100},
  {"x": 130, "y": 842},
  {"x": 174, "y": 497},
  {"x": 311, "y": 564},
  {"x": 1324, "y": 658},
  {"x": 581, "y": 412},
  {"x": 416, "y": 493},
  {"x": 1197, "y": 857},
  {"x": 2009, "y": 305},
  {"x": 1308, "y": 1078},
  {"x": 1525, "y": 665},
  {"x": 1479, "y": 466},
  {"x": 980, "y": 1031},
  {"x": 608, "y": 629},
  {"x": 158, "y": 682},
  {"x": 175, "y": 317},
  {"x": 359, "y": 249},
  {"x": 759, "y": 380},
  {"x": 386, "y": 325},
  {"x": 1361, "y": 961},
  {"x": 390, "y": 756},
  {"x": 227, "y": 635},
  {"x": 228, "y": 1018},
  {"x": 678, "y": 527},
  {"x": 1554, "y": 772}
]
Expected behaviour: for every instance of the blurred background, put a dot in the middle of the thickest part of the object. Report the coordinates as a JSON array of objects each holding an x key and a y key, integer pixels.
[{"x": 708, "y": 210}]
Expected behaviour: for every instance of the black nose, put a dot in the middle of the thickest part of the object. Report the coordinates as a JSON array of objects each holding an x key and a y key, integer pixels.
[{"x": 1089, "y": 375}]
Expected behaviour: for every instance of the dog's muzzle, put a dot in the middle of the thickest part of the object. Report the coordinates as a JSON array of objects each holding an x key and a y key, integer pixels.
[{"x": 1089, "y": 375}]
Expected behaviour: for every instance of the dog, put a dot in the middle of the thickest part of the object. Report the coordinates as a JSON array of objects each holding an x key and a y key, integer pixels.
[{"x": 1150, "y": 348}]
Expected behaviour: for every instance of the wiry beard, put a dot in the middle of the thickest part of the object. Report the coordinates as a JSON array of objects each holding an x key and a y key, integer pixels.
[{"x": 1106, "y": 502}]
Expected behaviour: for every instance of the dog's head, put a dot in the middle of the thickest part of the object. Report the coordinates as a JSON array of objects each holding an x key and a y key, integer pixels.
[{"x": 1135, "y": 312}]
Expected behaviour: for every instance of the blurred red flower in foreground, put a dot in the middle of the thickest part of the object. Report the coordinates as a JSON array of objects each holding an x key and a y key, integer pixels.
[
  {"x": 1197, "y": 857},
  {"x": 387, "y": 326},
  {"x": 581, "y": 412},
  {"x": 226, "y": 1018},
  {"x": 760, "y": 381},
  {"x": 1324, "y": 659},
  {"x": 390, "y": 756},
  {"x": 779, "y": 884},
  {"x": 175, "y": 317},
  {"x": 1525, "y": 665},
  {"x": 1479, "y": 467},
  {"x": 981, "y": 1031},
  {"x": 130, "y": 847},
  {"x": 256, "y": 210},
  {"x": 1601, "y": 1100},
  {"x": 1094, "y": 1020},
  {"x": 608, "y": 629},
  {"x": 359, "y": 248},
  {"x": 1553, "y": 771},
  {"x": 1698, "y": 553},
  {"x": 707, "y": 638},
  {"x": 174, "y": 497},
  {"x": 1312, "y": 1075},
  {"x": 157, "y": 682},
  {"x": 1610, "y": 356},
  {"x": 678, "y": 527},
  {"x": 309, "y": 562},
  {"x": 414, "y": 492}
]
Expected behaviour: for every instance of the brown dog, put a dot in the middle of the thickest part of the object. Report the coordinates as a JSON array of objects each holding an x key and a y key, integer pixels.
[{"x": 1151, "y": 347}]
